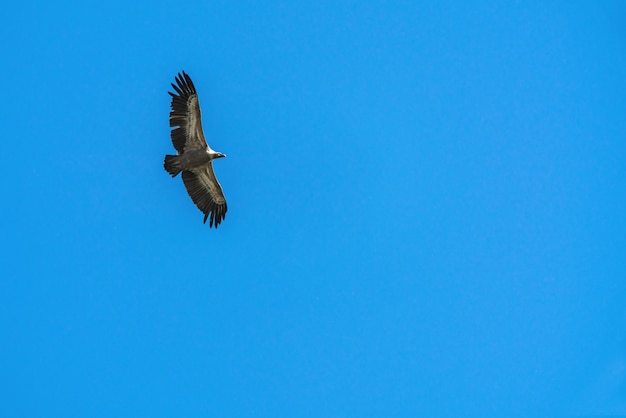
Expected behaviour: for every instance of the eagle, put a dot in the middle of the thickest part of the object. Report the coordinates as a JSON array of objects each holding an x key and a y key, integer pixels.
[{"x": 194, "y": 156}]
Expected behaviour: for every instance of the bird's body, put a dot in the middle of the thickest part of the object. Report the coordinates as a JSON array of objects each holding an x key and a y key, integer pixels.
[{"x": 195, "y": 157}]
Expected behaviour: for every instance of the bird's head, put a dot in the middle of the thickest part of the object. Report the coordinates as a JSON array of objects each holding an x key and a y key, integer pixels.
[{"x": 214, "y": 154}]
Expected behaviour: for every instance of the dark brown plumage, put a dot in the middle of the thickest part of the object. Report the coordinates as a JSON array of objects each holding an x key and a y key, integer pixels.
[{"x": 194, "y": 156}]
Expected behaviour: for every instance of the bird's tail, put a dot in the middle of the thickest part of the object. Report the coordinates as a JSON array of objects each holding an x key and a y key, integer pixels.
[{"x": 172, "y": 165}]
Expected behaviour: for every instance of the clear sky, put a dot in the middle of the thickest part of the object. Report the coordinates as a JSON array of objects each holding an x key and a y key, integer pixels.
[{"x": 426, "y": 210}]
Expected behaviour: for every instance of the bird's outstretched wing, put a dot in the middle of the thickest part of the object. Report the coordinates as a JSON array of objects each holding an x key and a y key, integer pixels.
[
  {"x": 206, "y": 193},
  {"x": 185, "y": 117}
]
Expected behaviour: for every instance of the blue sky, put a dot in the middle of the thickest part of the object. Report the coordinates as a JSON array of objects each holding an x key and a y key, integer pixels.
[{"x": 426, "y": 210}]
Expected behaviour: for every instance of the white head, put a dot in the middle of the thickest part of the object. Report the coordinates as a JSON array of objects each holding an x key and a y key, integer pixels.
[{"x": 214, "y": 154}]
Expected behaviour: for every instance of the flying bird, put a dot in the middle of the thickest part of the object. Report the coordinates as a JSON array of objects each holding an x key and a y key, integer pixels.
[{"x": 195, "y": 157}]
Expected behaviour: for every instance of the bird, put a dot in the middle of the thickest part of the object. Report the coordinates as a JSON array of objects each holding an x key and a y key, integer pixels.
[{"x": 194, "y": 157}]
